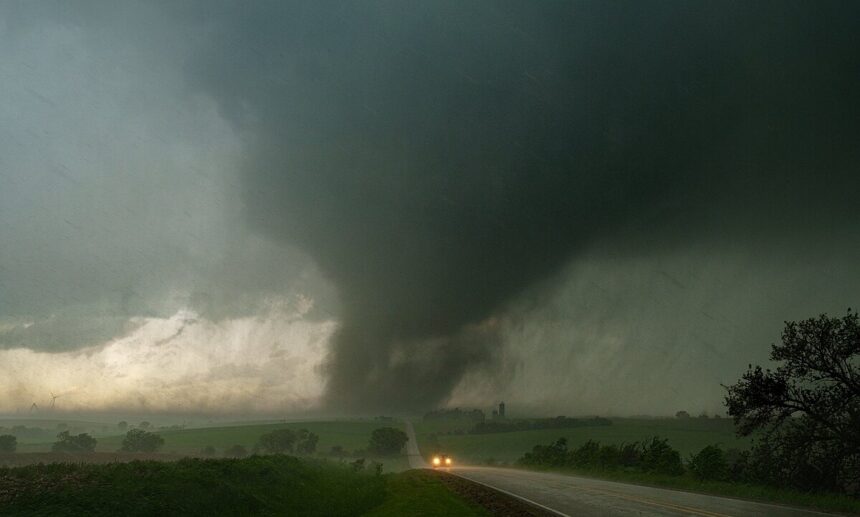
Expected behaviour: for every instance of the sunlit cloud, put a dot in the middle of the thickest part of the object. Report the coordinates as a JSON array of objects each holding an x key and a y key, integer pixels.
[{"x": 269, "y": 363}]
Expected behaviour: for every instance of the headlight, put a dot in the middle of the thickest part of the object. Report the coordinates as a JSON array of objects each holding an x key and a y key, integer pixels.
[
  {"x": 436, "y": 460},
  {"x": 447, "y": 461}
]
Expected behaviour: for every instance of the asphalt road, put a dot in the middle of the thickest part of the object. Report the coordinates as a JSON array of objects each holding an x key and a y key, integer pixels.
[{"x": 578, "y": 496}]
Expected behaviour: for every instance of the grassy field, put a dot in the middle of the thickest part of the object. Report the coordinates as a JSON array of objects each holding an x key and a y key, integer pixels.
[
  {"x": 687, "y": 436},
  {"x": 419, "y": 493},
  {"x": 260, "y": 485},
  {"x": 351, "y": 435}
]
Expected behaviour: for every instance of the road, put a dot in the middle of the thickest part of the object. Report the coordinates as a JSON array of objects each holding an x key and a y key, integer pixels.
[{"x": 585, "y": 497}]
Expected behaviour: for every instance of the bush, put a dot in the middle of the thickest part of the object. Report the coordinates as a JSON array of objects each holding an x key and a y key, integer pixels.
[
  {"x": 709, "y": 464},
  {"x": 387, "y": 440},
  {"x": 74, "y": 443},
  {"x": 553, "y": 455},
  {"x": 586, "y": 455},
  {"x": 138, "y": 440},
  {"x": 659, "y": 457},
  {"x": 236, "y": 451},
  {"x": 738, "y": 464},
  {"x": 278, "y": 441},
  {"x": 629, "y": 455},
  {"x": 8, "y": 443},
  {"x": 306, "y": 442},
  {"x": 208, "y": 451}
]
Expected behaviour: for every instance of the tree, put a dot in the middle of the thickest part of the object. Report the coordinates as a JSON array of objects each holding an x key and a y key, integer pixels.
[
  {"x": 122, "y": 426},
  {"x": 806, "y": 412},
  {"x": 208, "y": 451},
  {"x": 682, "y": 414},
  {"x": 138, "y": 440},
  {"x": 306, "y": 442},
  {"x": 710, "y": 464},
  {"x": 8, "y": 443},
  {"x": 74, "y": 443},
  {"x": 387, "y": 440},
  {"x": 236, "y": 451},
  {"x": 144, "y": 425},
  {"x": 278, "y": 441},
  {"x": 658, "y": 456}
]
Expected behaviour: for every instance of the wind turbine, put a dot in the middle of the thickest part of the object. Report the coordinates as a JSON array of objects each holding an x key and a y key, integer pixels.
[
  {"x": 53, "y": 399},
  {"x": 34, "y": 407}
]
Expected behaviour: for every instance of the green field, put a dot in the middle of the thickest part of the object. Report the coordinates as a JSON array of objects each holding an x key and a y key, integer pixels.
[
  {"x": 351, "y": 435},
  {"x": 687, "y": 436},
  {"x": 260, "y": 485}
]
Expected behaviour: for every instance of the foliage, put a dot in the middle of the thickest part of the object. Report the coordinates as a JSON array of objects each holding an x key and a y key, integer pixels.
[
  {"x": 236, "y": 451},
  {"x": 659, "y": 457},
  {"x": 138, "y": 440},
  {"x": 807, "y": 411},
  {"x": 387, "y": 440},
  {"x": 122, "y": 426},
  {"x": 654, "y": 456},
  {"x": 682, "y": 414},
  {"x": 260, "y": 485},
  {"x": 74, "y": 443},
  {"x": 8, "y": 443},
  {"x": 208, "y": 451},
  {"x": 559, "y": 422},
  {"x": 306, "y": 442},
  {"x": 279, "y": 441},
  {"x": 709, "y": 464}
]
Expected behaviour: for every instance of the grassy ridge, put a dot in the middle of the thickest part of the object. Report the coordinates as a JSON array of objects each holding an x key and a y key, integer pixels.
[
  {"x": 260, "y": 485},
  {"x": 687, "y": 436}
]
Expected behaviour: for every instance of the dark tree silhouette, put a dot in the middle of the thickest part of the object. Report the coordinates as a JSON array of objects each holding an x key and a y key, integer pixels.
[
  {"x": 387, "y": 440},
  {"x": 806, "y": 412},
  {"x": 279, "y": 441},
  {"x": 8, "y": 443},
  {"x": 74, "y": 443},
  {"x": 138, "y": 440}
]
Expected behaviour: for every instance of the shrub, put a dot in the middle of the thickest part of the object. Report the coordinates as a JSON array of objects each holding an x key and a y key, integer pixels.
[
  {"x": 387, "y": 440},
  {"x": 659, "y": 457},
  {"x": 629, "y": 455},
  {"x": 306, "y": 442},
  {"x": 738, "y": 464},
  {"x": 138, "y": 440},
  {"x": 208, "y": 451},
  {"x": 709, "y": 464},
  {"x": 586, "y": 454},
  {"x": 8, "y": 443},
  {"x": 236, "y": 451},
  {"x": 278, "y": 441},
  {"x": 74, "y": 443},
  {"x": 553, "y": 455}
]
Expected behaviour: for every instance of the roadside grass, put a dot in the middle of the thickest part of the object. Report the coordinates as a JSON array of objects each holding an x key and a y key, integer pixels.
[
  {"x": 259, "y": 485},
  {"x": 418, "y": 493},
  {"x": 827, "y": 502},
  {"x": 687, "y": 436}
]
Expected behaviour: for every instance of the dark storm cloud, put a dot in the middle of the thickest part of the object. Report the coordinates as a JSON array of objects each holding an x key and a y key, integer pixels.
[{"x": 437, "y": 159}]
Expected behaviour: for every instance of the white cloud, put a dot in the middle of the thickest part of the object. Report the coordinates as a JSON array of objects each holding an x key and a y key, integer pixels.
[{"x": 269, "y": 362}]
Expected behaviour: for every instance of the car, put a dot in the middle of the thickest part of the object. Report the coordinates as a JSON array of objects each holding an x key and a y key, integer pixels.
[{"x": 441, "y": 460}]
